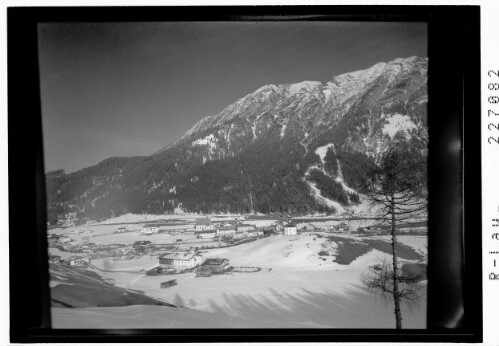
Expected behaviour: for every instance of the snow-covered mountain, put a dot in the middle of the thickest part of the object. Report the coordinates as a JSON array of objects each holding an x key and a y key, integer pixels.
[{"x": 269, "y": 151}]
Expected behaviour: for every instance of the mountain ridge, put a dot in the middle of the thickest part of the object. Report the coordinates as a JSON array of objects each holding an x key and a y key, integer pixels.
[{"x": 255, "y": 154}]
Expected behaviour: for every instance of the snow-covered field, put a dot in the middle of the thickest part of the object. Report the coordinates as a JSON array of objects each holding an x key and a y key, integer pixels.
[
  {"x": 149, "y": 317},
  {"x": 295, "y": 287}
]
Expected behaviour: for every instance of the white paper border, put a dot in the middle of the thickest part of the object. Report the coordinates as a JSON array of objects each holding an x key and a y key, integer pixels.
[{"x": 490, "y": 153}]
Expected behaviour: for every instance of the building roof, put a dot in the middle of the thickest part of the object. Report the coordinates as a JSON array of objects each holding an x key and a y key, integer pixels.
[
  {"x": 183, "y": 256},
  {"x": 215, "y": 261},
  {"x": 122, "y": 227},
  {"x": 203, "y": 221},
  {"x": 227, "y": 228},
  {"x": 291, "y": 224},
  {"x": 245, "y": 225},
  {"x": 207, "y": 232}
]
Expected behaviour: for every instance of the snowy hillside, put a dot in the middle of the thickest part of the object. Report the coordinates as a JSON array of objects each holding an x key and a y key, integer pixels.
[{"x": 299, "y": 284}]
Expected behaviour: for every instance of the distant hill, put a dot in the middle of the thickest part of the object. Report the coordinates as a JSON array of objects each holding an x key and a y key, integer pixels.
[{"x": 293, "y": 148}]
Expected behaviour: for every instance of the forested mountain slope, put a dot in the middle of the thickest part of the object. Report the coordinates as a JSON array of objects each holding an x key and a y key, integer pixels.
[{"x": 273, "y": 150}]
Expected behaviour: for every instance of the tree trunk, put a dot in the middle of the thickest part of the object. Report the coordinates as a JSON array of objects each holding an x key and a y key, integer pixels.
[{"x": 396, "y": 295}]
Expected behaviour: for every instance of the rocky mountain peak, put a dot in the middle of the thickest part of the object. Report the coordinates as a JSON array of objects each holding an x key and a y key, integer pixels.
[{"x": 288, "y": 147}]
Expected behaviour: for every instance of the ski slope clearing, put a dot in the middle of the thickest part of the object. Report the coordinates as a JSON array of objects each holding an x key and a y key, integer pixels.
[{"x": 316, "y": 193}]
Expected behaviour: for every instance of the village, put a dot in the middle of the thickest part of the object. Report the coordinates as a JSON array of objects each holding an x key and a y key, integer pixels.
[
  {"x": 180, "y": 246},
  {"x": 221, "y": 263}
]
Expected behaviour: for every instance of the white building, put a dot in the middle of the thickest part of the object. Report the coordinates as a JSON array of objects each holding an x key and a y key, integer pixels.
[
  {"x": 180, "y": 260},
  {"x": 226, "y": 230},
  {"x": 64, "y": 239},
  {"x": 203, "y": 224},
  {"x": 79, "y": 261},
  {"x": 207, "y": 234},
  {"x": 149, "y": 229},
  {"x": 254, "y": 233},
  {"x": 290, "y": 229},
  {"x": 121, "y": 229}
]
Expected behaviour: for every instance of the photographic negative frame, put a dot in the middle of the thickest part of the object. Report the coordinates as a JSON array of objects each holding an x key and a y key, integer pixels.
[{"x": 454, "y": 271}]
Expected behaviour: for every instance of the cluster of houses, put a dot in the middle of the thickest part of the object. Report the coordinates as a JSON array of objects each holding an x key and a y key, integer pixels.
[
  {"x": 205, "y": 229},
  {"x": 74, "y": 261},
  {"x": 55, "y": 240},
  {"x": 180, "y": 260},
  {"x": 374, "y": 229},
  {"x": 189, "y": 259},
  {"x": 418, "y": 227},
  {"x": 213, "y": 266}
]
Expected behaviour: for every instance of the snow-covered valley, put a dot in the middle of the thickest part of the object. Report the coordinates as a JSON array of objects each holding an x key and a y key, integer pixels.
[{"x": 298, "y": 285}]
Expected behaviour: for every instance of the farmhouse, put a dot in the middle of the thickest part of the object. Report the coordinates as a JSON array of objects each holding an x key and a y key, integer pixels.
[
  {"x": 121, "y": 229},
  {"x": 226, "y": 230},
  {"x": 374, "y": 229},
  {"x": 150, "y": 228},
  {"x": 54, "y": 258},
  {"x": 279, "y": 226},
  {"x": 342, "y": 227},
  {"x": 245, "y": 227},
  {"x": 79, "y": 261},
  {"x": 254, "y": 233},
  {"x": 308, "y": 228},
  {"x": 207, "y": 234},
  {"x": 216, "y": 264},
  {"x": 419, "y": 227},
  {"x": 212, "y": 266},
  {"x": 180, "y": 260},
  {"x": 290, "y": 229},
  {"x": 64, "y": 239},
  {"x": 203, "y": 224}
]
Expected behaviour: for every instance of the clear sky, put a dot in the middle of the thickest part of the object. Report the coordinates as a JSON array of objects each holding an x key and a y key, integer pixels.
[{"x": 128, "y": 89}]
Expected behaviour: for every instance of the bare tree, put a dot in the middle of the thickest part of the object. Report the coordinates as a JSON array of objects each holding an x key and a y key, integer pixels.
[
  {"x": 381, "y": 278},
  {"x": 397, "y": 186}
]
